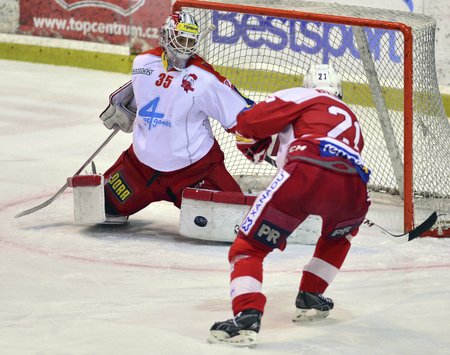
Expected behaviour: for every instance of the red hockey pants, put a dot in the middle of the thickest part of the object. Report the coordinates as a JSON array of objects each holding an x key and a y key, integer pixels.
[
  {"x": 301, "y": 189},
  {"x": 131, "y": 185}
]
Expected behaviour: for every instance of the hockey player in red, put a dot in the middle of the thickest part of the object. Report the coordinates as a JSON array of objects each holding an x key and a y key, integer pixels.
[
  {"x": 167, "y": 106},
  {"x": 321, "y": 172}
]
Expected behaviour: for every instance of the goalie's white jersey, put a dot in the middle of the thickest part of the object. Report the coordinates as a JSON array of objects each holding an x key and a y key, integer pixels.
[{"x": 172, "y": 129}]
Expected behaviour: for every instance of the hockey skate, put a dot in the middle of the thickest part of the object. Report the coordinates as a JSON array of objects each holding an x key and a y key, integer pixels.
[
  {"x": 240, "y": 331},
  {"x": 311, "y": 307}
]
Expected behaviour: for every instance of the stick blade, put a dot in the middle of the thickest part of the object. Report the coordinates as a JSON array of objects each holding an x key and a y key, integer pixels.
[
  {"x": 423, "y": 227},
  {"x": 32, "y": 210},
  {"x": 43, "y": 204}
]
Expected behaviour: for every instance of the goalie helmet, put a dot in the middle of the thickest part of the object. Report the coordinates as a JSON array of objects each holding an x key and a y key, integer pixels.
[
  {"x": 323, "y": 77},
  {"x": 179, "y": 36}
]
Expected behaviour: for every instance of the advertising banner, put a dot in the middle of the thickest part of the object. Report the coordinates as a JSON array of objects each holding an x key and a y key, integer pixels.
[
  {"x": 320, "y": 41},
  {"x": 125, "y": 22}
]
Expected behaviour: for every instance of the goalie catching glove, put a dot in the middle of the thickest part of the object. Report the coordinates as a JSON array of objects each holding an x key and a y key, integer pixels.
[
  {"x": 121, "y": 110},
  {"x": 254, "y": 150}
]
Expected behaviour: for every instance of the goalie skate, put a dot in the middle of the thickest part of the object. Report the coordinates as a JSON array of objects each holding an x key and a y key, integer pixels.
[
  {"x": 311, "y": 307},
  {"x": 242, "y": 331}
]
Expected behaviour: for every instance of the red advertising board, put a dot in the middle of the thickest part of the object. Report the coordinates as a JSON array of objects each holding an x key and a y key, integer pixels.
[{"x": 129, "y": 22}]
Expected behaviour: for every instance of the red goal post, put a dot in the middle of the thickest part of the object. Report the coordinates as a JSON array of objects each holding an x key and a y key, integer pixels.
[{"x": 386, "y": 59}]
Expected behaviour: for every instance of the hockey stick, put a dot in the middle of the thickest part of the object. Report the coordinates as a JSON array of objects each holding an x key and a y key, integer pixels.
[
  {"x": 413, "y": 233},
  {"x": 270, "y": 161},
  {"x": 64, "y": 187}
]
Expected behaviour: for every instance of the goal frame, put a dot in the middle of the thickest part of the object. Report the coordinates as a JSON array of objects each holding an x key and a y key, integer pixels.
[{"x": 406, "y": 30}]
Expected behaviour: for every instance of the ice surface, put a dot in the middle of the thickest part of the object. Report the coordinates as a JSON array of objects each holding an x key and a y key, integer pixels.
[{"x": 142, "y": 288}]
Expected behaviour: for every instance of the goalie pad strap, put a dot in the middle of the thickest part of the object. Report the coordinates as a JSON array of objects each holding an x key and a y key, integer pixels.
[{"x": 84, "y": 180}]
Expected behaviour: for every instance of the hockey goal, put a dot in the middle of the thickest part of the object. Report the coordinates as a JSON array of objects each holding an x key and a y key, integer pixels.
[{"x": 386, "y": 59}]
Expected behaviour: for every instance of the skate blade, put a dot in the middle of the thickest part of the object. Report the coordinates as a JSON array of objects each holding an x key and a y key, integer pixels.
[
  {"x": 309, "y": 315},
  {"x": 246, "y": 338}
]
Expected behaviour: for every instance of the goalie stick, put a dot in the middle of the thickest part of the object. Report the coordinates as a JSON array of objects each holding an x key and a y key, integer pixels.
[
  {"x": 64, "y": 187},
  {"x": 413, "y": 233}
]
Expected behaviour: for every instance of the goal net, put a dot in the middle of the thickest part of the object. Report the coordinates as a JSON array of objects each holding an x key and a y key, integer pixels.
[{"x": 386, "y": 59}]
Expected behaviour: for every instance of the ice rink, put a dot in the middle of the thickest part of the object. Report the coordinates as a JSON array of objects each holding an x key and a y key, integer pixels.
[{"x": 144, "y": 289}]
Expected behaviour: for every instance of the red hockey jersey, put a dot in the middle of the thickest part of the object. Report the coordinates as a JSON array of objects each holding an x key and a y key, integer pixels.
[{"x": 308, "y": 116}]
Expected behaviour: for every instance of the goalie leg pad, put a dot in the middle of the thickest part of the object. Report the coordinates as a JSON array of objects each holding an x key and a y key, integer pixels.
[
  {"x": 88, "y": 198},
  {"x": 216, "y": 215}
]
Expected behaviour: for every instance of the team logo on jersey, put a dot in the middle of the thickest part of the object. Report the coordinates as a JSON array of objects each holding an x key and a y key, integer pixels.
[
  {"x": 297, "y": 148},
  {"x": 119, "y": 187},
  {"x": 122, "y": 7},
  {"x": 188, "y": 82}
]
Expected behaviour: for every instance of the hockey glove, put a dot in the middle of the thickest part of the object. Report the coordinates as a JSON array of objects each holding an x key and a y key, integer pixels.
[
  {"x": 253, "y": 150},
  {"x": 121, "y": 110}
]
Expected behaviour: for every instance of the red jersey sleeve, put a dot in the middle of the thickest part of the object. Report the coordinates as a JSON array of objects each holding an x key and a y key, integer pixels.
[{"x": 266, "y": 118}]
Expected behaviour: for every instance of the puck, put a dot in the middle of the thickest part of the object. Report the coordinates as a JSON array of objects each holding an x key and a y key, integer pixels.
[{"x": 200, "y": 221}]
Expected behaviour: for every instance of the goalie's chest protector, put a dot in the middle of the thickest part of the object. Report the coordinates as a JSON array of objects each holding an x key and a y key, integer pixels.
[{"x": 172, "y": 129}]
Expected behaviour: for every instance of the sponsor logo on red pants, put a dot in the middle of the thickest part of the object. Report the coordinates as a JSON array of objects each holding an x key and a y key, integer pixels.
[{"x": 119, "y": 187}]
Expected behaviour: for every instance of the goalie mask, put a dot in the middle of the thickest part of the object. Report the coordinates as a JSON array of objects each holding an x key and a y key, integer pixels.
[
  {"x": 179, "y": 36},
  {"x": 323, "y": 77}
]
